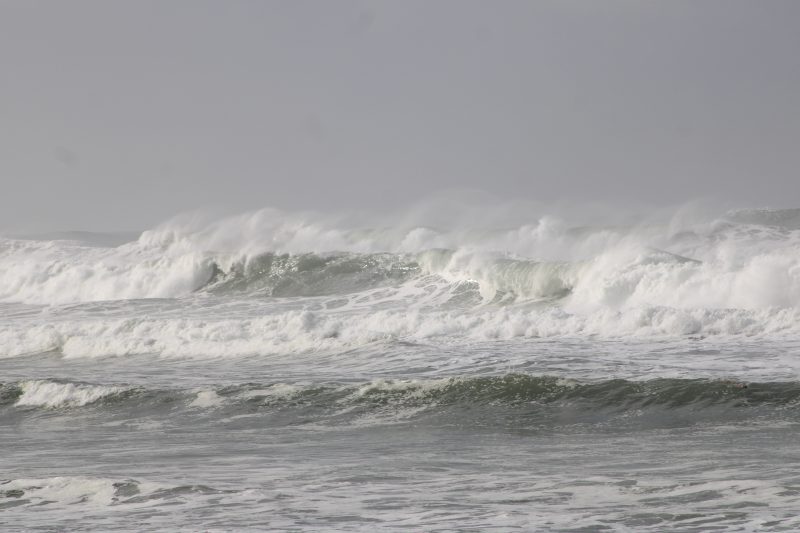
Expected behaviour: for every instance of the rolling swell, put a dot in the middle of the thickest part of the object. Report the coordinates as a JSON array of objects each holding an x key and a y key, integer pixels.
[{"x": 550, "y": 398}]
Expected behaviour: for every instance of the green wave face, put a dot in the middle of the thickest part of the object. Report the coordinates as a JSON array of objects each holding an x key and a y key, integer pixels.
[
  {"x": 515, "y": 401},
  {"x": 498, "y": 279}
]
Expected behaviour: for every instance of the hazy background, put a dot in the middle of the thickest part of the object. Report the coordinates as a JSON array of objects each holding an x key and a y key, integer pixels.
[{"x": 116, "y": 115}]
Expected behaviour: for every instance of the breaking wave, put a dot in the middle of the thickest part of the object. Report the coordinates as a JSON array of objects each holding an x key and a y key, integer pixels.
[
  {"x": 53, "y": 394},
  {"x": 300, "y": 282}
]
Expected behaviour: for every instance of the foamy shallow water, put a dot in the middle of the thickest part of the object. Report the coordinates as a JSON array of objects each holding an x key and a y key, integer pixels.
[{"x": 270, "y": 372}]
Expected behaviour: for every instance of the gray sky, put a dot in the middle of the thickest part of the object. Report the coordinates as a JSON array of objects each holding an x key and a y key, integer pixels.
[{"x": 116, "y": 115}]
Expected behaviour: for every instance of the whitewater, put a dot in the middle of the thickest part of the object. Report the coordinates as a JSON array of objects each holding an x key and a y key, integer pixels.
[{"x": 467, "y": 370}]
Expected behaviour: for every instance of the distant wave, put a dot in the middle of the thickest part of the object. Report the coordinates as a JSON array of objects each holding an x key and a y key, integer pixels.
[
  {"x": 748, "y": 259},
  {"x": 270, "y": 282}
]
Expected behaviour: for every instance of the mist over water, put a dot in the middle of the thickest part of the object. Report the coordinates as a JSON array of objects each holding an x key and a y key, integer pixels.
[{"x": 445, "y": 367}]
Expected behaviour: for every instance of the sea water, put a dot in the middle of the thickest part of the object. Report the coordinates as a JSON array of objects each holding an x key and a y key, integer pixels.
[{"x": 297, "y": 372}]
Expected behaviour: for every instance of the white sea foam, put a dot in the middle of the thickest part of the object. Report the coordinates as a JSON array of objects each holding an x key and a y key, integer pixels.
[
  {"x": 305, "y": 331},
  {"x": 418, "y": 388},
  {"x": 61, "y": 272},
  {"x": 716, "y": 277},
  {"x": 64, "y": 490},
  {"x": 473, "y": 300},
  {"x": 206, "y": 399},
  {"x": 41, "y": 393},
  {"x": 67, "y": 497},
  {"x": 713, "y": 264}
]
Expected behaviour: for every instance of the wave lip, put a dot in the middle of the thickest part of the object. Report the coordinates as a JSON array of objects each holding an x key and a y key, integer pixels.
[
  {"x": 508, "y": 389},
  {"x": 44, "y": 393},
  {"x": 512, "y": 401},
  {"x": 520, "y": 390}
]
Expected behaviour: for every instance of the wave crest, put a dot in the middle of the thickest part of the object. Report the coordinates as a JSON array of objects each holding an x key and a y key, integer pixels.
[
  {"x": 310, "y": 283},
  {"x": 42, "y": 393}
]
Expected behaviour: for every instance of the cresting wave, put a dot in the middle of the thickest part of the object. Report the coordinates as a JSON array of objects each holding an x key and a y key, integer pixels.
[
  {"x": 511, "y": 390},
  {"x": 42, "y": 393},
  {"x": 746, "y": 259},
  {"x": 270, "y": 282}
]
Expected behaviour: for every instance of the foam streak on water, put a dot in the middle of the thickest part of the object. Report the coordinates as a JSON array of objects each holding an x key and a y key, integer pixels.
[{"x": 299, "y": 372}]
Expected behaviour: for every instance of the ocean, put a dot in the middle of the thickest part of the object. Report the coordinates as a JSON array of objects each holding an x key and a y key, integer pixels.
[{"x": 287, "y": 371}]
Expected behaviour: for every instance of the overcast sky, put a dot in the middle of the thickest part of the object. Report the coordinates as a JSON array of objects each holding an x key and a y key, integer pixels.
[{"x": 116, "y": 115}]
